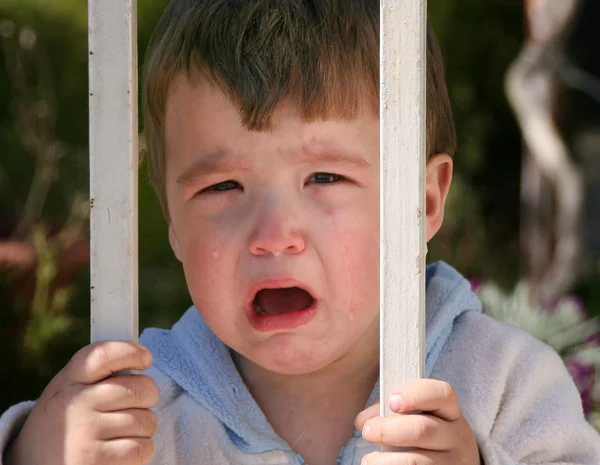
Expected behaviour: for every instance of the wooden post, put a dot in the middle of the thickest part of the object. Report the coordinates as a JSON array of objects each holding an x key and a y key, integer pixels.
[
  {"x": 402, "y": 111},
  {"x": 113, "y": 102}
]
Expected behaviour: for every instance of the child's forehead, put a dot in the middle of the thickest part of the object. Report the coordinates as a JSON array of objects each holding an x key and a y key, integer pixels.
[
  {"x": 200, "y": 105},
  {"x": 198, "y": 93},
  {"x": 204, "y": 123}
]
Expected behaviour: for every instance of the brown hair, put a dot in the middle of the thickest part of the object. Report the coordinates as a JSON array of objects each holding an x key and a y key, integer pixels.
[{"x": 321, "y": 54}]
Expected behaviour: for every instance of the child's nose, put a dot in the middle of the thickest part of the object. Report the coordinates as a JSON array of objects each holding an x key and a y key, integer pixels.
[{"x": 277, "y": 232}]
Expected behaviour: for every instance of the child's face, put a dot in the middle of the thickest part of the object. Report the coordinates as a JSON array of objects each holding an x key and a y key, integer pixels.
[{"x": 297, "y": 206}]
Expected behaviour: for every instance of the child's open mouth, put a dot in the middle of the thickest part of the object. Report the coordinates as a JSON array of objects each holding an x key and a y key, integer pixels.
[
  {"x": 284, "y": 300},
  {"x": 282, "y": 308}
]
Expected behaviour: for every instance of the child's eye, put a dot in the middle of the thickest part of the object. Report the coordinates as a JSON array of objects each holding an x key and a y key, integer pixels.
[
  {"x": 222, "y": 187},
  {"x": 325, "y": 178}
]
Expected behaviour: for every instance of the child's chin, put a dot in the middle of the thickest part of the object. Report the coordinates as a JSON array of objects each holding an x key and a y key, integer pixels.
[{"x": 291, "y": 361}]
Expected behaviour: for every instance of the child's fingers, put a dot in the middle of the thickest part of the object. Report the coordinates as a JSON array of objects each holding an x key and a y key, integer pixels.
[
  {"x": 416, "y": 457},
  {"x": 124, "y": 451},
  {"x": 410, "y": 431},
  {"x": 134, "y": 423},
  {"x": 98, "y": 361},
  {"x": 427, "y": 395},
  {"x": 122, "y": 392},
  {"x": 368, "y": 413}
]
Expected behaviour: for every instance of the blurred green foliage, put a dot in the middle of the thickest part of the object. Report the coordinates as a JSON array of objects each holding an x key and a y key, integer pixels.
[
  {"x": 43, "y": 74},
  {"x": 480, "y": 233}
]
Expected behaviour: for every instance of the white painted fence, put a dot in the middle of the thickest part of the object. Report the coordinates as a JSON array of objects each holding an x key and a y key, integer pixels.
[
  {"x": 114, "y": 168},
  {"x": 403, "y": 72}
]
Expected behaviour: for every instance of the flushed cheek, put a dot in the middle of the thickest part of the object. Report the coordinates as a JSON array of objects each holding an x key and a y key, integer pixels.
[
  {"x": 206, "y": 265},
  {"x": 358, "y": 264}
]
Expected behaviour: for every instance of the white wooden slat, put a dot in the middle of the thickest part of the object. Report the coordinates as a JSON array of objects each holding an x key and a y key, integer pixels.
[
  {"x": 113, "y": 103},
  {"x": 402, "y": 214}
]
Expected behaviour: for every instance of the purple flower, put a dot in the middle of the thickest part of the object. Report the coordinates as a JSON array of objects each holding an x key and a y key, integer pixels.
[
  {"x": 584, "y": 376},
  {"x": 476, "y": 284}
]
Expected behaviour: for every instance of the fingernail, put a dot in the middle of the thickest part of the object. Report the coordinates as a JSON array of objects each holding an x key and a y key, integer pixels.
[
  {"x": 395, "y": 402},
  {"x": 147, "y": 356},
  {"x": 366, "y": 432}
]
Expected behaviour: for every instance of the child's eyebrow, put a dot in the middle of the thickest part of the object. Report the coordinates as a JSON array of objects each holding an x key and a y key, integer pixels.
[
  {"x": 332, "y": 155},
  {"x": 222, "y": 161},
  {"x": 218, "y": 160}
]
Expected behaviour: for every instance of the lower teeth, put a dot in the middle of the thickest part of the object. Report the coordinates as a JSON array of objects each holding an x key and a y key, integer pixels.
[{"x": 259, "y": 310}]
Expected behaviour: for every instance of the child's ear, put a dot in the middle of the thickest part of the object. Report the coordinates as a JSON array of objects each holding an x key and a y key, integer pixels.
[
  {"x": 438, "y": 175},
  {"x": 174, "y": 242}
]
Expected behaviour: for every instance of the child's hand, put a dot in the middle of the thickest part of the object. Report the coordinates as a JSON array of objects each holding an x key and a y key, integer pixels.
[
  {"x": 439, "y": 435},
  {"x": 85, "y": 417}
]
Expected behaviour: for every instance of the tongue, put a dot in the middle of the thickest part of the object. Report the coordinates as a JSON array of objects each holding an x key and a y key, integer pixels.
[{"x": 291, "y": 299}]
